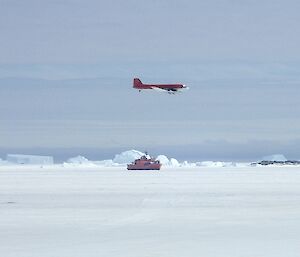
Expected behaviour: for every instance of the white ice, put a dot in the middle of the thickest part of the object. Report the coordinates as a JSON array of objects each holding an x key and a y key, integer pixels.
[
  {"x": 164, "y": 160},
  {"x": 56, "y": 211},
  {"x": 78, "y": 160},
  {"x": 29, "y": 159},
  {"x": 275, "y": 157},
  {"x": 120, "y": 159},
  {"x": 127, "y": 156}
]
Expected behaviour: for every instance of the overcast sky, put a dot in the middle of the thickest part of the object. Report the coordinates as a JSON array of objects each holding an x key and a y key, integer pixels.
[{"x": 66, "y": 70}]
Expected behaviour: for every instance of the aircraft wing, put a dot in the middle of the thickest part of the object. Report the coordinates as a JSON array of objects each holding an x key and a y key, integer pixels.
[{"x": 158, "y": 89}]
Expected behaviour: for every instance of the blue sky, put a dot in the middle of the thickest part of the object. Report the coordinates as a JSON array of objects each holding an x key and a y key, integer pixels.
[{"x": 66, "y": 70}]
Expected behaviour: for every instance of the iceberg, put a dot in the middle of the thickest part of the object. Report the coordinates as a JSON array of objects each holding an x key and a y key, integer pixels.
[
  {"x": 29, "y": 159},
  {"x": 127, "y": 156},
  {"x": 164, "y": 160},
  {"x": 174, "y": 162},
  {"x": 131, "y": 155},
  {"x": 120, "y": 160},
  {"x": 78, "y": 160},
  {"x": 275, "y": 157},
  {"x": 105, "y": 163},
  {"x": 187, "y": 164}
]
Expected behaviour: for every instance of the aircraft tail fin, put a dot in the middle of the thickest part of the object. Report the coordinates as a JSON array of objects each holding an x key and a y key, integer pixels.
[{"x": 137, "y": 83}]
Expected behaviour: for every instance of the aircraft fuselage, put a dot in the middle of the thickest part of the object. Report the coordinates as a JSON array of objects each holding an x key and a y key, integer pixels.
[{"x": 137, "y": 84}]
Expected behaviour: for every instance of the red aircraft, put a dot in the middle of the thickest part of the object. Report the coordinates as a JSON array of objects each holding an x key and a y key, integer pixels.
[{"x": 169, "y": 88}]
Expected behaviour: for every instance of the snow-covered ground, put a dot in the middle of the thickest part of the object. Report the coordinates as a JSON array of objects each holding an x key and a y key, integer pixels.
[{"x": 66, "y": 211}]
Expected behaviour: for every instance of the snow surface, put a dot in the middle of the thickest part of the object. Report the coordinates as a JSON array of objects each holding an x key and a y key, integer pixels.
[
  {"x": 215, "y": 164},
  {"x": 55, "y": 211}
]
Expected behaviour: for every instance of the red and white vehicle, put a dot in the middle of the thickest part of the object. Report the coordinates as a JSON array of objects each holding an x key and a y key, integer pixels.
[
  {"x": 169, "y": 88},
  {"x": 144, "y": 163}
]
